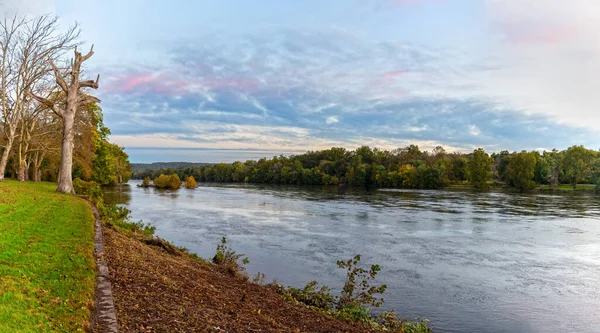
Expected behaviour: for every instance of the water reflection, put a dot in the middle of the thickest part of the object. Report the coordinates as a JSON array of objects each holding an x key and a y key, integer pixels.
[
  {"x": 468, "y": 261},
  {"x": 118, "y": 194}
]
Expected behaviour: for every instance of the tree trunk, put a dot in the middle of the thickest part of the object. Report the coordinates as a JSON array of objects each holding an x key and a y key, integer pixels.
[
  {"x": 4, "y": 159},
  {"x": 21, "y": 176},
  {"x": 65, "y": 178}
]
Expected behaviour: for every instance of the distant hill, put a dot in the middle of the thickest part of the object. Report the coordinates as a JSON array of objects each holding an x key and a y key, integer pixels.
[{"x": 164, "y": 165}]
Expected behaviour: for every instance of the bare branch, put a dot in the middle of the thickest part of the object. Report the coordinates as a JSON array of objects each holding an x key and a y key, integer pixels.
[
  {"x": 49, "y": 104},
  {"x": 59, "y": 78},
  {"x": 87, "y": 56},
  {"x": 87, "y": 99}
]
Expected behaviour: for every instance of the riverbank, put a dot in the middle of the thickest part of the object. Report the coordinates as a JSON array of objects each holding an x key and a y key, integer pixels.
[
  {"x": 158, "y": 291},
  {"x": 47, "y": 269}
]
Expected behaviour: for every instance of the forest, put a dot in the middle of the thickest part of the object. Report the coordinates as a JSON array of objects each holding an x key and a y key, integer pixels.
[{"x": 407, "y": 167}]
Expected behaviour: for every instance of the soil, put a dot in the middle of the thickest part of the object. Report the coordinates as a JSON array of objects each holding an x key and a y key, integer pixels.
[{"x": 155, "y": 291}]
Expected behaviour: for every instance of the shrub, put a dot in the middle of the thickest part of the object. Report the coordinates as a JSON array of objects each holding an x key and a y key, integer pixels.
[
  {"x": 229, "y": 260},
  {"x": 357, "y": 290},
  {"x": 312, "y": 295},
  {"x": 392, "y": 322},
  {"x": 190, "y": 182},
  {"x": 168, "y": 181},
  {"x": 146, "y": 182},
  {"x": 90, "y": 189},
  {"x": 355, "y": 301},
  {"x": 119, "y": 217}
]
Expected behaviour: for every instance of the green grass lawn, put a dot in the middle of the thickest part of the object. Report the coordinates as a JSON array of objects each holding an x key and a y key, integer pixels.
[{"x": 47, "y": 268}]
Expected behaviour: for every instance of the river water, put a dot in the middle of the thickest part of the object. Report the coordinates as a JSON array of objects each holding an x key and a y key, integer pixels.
[{"x": 466, "y": 261}]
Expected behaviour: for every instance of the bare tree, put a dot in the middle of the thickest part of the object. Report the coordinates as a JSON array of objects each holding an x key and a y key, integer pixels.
[
  {"x": 26, "y": 46},
  {"x": 75, "y": 98}
]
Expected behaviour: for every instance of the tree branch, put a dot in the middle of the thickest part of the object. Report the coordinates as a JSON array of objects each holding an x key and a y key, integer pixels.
[
  {"x": 87, "y": 99},
  {"x": 59, "y": 78},
  {"x": 49, "y": 104},
  {"x": 87, "y": 56},
  {"x": 90, "y": 83}
]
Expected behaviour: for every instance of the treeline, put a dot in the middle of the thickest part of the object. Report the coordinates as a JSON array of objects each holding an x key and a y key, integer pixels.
[
  {"x": 405, "y": 168},
  {"x": 51, "y": 127}
]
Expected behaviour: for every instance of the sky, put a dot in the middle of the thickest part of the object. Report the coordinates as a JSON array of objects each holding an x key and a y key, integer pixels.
[{"x": 218, "y": 81}]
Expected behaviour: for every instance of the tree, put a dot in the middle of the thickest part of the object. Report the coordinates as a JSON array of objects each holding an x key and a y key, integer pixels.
[
  {"x": 480, "y": 168},
  {"x": 27, "y": 48},
  {"x": 521, "y": 170},
  {"x": 553, "y": 161},
  {"x": 577, "y": 164},
  {"x": 74, "y": 99}
]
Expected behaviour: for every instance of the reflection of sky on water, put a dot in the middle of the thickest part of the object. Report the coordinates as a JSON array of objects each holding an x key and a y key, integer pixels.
[{"x": 468, "y": 261}]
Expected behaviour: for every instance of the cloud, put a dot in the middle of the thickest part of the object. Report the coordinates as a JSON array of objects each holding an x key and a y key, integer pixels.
[
  {"x": 549, "y": 59},
  {"x": 284, "y": 93},
  {"x": 331, "y": 120}
]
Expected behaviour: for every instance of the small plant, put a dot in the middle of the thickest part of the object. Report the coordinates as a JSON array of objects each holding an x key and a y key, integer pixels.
[
  {"x": 313, "y": 295},
  {"x": 228, "y": 259},
  {"x": 146, "y": 182},
  {"x": 119, "y": 217},
  {"x": 392, "y": 322},
  {"x": 357, "y": 290},
  {"x": 259, "y": 278},
  {"x": 190, "y": 182}
]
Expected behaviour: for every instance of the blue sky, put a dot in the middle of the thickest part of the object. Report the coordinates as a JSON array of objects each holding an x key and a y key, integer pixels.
[{"x": 211, "y": 81}]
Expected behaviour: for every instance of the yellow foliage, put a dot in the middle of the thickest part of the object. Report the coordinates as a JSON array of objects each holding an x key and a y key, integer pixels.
[
  {"x": 168, "y": 181},
  {"x": 190, "y": 182}
]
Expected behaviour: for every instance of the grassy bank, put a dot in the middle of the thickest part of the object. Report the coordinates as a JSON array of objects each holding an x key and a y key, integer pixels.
[{"x": 47, "y": 272}]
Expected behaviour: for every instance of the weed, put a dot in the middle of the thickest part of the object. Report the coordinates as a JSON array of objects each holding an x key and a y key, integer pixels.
[{"x": 229, "y": 260}]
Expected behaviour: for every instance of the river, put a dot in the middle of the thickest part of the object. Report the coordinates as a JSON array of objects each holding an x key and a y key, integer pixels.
[{"x": 467, "y": 261}]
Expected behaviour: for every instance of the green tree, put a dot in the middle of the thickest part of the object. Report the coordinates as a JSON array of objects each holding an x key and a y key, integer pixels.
[
  {"x": 480, "y": 168},
  {"x": 577, "y": 164},
  {"x": 554, "y": 161},
  {"x": 521, "y": 170}
]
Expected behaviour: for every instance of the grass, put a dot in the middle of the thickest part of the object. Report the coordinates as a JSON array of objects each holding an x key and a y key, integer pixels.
[{"x": 47, "y": 268}]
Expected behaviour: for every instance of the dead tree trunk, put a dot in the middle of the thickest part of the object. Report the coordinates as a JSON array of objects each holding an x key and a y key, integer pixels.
[{"x": 74, "y": 99}]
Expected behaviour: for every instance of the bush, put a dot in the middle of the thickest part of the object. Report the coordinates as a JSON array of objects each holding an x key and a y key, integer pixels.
[
  {"x": 146, "y": 182},
  {"x": 229, "y": 260},
  {"x": 90, "y": 189},
  {"x": 311, "y": 295},
  {"x": 168, "y": 181},
  {"x": 119, "y": 217},
  {"x": 190, "y": 182},
  {"x": 357, "y": 290}
]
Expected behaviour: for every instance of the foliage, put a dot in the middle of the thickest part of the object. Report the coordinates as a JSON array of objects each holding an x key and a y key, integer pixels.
[
  {"x": 168, "y": 181},
  {"x": 353, "y": 305},
  {"x": 146, "y": 182},
  {"x": 119, "y": 217},
  {"x": 190, "y": 182},
  {"x": 357, "y": 290},
  {"x": 90, "y": 189},
  {"x": 229, "y": 260},
  {"x": 521, "y": 170},
  {"x": 391, "y": 321},
  {"x": 313, "y": 295},
  {"x": 480, "y": 168},
  {"x": 48, "y": 267},
  {"x": 577, "y": 164}
]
